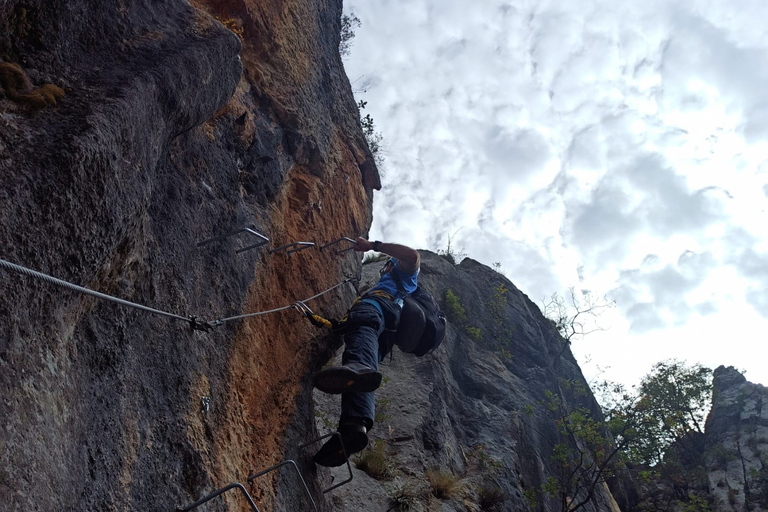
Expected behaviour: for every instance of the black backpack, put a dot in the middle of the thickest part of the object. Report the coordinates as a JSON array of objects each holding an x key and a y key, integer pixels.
[{"x": 422, "y": 324}]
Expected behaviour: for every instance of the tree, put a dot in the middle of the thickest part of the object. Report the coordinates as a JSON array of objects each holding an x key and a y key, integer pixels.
[
  {"x": 672, "y": 404},
  {"x": 372, "y": 137},
  {"x": 575, "y": 317},
  {"x": 349, "y": 22},
  {"x": 450, "y": 253},
  {"x": 655, "y": 428},
  {"x": 592, "y": 448}
]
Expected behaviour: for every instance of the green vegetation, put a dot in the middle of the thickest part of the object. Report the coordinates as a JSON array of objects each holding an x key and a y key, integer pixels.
[
  {"x": 323, "y": 418},
  {"x": 484, "y": 462},
  {"x": 652, "y": 428},
  {"x": 531, "y": 497},
  {"x": 502, "y": 332},
  {"x": 405, "y": 496},
  {"x": 349, "y": 22},
  {"x": 670, "y": 406},
  {"x": 375, "y": 461},
  {"x": 529, "y": 410},
  {"x": 585, "y": 456},
  {"x": 382, "y": 410},
  {"x": 697, "y": 504},
  {"x": 372, "y": 137},
  {"x": 496, "y": 305},
  {"x": 475, "y": 333},
  {"x": 456, "y": 312},
  {"x": 458, "y": 315}
]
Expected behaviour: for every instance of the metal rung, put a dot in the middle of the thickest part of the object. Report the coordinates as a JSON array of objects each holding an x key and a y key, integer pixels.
[
  {"x": 272, "y": 468},
  {"x": 251, "y": 230},
  {"x": 349, "y": 467},
  {"x": 301, "y": 246},
  {"x": 264, "y": 240},
  {"x": 219, "y": 492},
  {"x": 285, "y": 463},
  {"x": 342, "y": 239}
]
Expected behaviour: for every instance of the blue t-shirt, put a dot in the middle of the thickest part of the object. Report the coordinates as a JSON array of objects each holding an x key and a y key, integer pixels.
[{"x": 387, "y": 282}]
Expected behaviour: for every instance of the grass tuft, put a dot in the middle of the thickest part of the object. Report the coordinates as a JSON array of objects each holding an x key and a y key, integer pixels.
[
  {"x": 444, "y": 484},
  {"x": 376, "y": 462}
]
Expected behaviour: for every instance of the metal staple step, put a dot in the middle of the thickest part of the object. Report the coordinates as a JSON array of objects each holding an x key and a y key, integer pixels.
[{"x": 288, "y": 462}]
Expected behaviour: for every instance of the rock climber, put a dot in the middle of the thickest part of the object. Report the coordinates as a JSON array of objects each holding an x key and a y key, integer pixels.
[{"x": 358, "y": 376}]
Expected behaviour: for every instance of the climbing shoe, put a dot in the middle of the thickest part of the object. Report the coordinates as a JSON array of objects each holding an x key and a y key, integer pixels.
[
  {"x": 350, "y": 378},
  {"x": 331, "y": 454}
]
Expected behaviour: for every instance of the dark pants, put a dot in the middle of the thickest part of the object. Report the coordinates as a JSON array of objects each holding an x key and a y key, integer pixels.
[{"x": 365, "y": 324}]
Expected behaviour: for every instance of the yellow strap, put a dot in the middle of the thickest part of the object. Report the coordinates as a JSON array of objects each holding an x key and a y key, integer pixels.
[
  {"x": 323, "y": 321},
  {"x": 379, "y": 293}
]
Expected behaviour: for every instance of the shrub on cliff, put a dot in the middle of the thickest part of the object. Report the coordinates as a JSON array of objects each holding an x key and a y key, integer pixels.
[
  {"x": 349, "y": 22},
  {"x": 372, "y": 137},
  {"x": 655, "y": 428},
  {"x": 444, "y": 484},
  {"x": 376, "y": 461}
]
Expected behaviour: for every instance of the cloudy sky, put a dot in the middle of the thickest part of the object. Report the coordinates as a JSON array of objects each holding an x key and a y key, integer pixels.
[{"x": 618, "y": 147}]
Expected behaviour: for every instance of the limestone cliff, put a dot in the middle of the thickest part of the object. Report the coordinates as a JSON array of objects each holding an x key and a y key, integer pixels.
[
  {"x": 737, "y": 444},
  {"x": 173, "y": 129},
  {"x": 178, "y": 122}
]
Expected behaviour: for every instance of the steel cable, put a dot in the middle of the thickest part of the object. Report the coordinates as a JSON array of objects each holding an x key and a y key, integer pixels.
[
  {"x": 197, "y": 324},
  {"x": 249, "y": 315},
  {"x": 64, "y": 284}
]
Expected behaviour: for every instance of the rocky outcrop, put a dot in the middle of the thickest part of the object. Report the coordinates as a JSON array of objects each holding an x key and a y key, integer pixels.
[
  {"x": 737, "y": 443},
  {"x": 183, "y": 121},
  {"x": 471, "y": 412},
  {"x": 174, "y": 129}
]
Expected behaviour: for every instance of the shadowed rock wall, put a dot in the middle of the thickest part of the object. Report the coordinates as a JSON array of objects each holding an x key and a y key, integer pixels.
[{"x": 173, "y": 129}]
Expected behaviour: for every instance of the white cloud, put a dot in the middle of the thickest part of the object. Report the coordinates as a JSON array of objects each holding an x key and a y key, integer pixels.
[
  {"x": 754, "y": 266},
  {"x": 559, "y": 136},
  {"x": 658, "y": 295}
]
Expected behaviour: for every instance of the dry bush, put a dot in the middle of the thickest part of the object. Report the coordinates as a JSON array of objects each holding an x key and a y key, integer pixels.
[
  {"x": 444, "y": 484},
  {"x": 490, "y": 497}
]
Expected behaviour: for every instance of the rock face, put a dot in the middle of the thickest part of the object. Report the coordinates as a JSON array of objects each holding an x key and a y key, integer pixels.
[
  {"x": 737, "y": 443},
  {"x": 467, "y": 412},
  {"x": 185, "y": 121},
  {"x": 172, "y": 130}
]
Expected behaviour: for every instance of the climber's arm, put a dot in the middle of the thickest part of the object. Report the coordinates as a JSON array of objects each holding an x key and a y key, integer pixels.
[{"x": 408, "y": 258}]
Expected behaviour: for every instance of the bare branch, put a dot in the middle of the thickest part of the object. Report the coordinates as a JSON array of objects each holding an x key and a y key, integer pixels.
[{"x": 575, "y": 317}]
